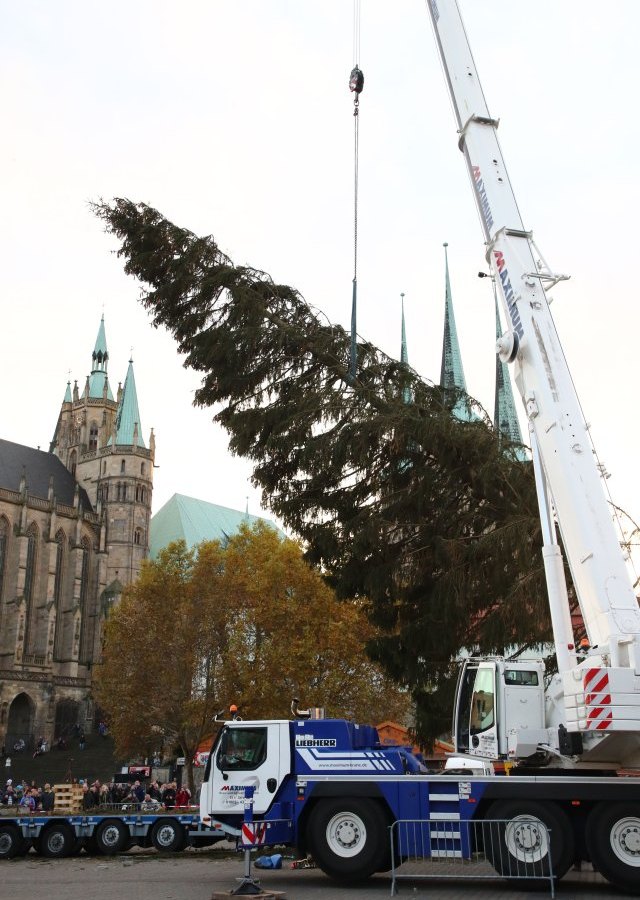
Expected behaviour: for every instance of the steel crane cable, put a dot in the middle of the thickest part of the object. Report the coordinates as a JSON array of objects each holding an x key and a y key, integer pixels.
[{"x": 356, "y": 83}]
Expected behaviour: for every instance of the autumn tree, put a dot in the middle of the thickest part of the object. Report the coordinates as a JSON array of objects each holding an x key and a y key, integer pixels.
[
  {"x": 434, "y": 520},
  {"x": 249, "y": 622}
]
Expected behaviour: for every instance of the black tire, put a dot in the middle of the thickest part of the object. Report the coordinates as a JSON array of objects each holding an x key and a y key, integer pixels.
[
  {"x": 168, "y": 836},
  {"x": 348, "y": 838},
  {"x": 522, "y": 850},
  {"x": 111, "y": 835},
  {"x": 613, "y": 841},
  {"x": 11, "y": 841},
  {"x": 56, "y": 840}
]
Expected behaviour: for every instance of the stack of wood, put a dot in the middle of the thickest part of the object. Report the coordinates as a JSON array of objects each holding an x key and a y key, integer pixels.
[{"x": 68, "y": 798}]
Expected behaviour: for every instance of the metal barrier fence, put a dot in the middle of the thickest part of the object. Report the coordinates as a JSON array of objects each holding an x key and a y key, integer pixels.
[{"x": 488, "y": 848}]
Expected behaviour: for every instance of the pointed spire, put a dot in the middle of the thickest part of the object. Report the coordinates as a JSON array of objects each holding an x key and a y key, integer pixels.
[
  {"x": 404, "y": 355},
  {"x": 128, "y": 427},
  {"x": 505, "y": 418},
  {"x": 99, "y": 382},
  {"x": 451, "y": 371},
  {"x": 100, "y": 355},
  {"x": 67, "y": 393}
]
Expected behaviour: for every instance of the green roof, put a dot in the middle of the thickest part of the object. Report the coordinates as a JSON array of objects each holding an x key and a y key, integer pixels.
[{"x": 194, "y": 521}]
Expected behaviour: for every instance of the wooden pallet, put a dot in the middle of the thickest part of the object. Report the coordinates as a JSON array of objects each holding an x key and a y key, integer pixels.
[{"x": 68, "y": 798}]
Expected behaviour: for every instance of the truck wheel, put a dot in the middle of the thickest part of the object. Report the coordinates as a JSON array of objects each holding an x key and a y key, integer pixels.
[
  {"x": 519, "y": 848},
  {"x": 168, "y": 835},
  {"x": 347, "y": 838},
  {"x": 613, "y": 842},
  {"x": 11, "y": 841},
  {"x": 111, "y": 836},
  {"x": 56, "y": 840}
]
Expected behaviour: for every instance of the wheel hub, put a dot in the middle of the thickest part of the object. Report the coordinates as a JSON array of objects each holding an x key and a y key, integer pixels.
[
  {"x": 5, "y": 843},
  {"x": 347, "y": 834},
  {"x": 625, "y": 840},
  {"x": 525, "y": 840}
]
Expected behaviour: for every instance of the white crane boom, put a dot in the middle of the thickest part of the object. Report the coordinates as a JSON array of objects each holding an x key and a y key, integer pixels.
[{"x": 602, "y": 692}]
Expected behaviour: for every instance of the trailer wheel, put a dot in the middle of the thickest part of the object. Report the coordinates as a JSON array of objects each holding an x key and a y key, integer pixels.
[
  {"x": 168, "y": 836},
  {"x": 111, "y": 836},
  {"x": 10, "y": 841},
  {"x": 347, "y": 838},
  {"x": 518, "y": 847},
  {"x": 613, "y": 841},
  {"x": 56, "y": 841}
]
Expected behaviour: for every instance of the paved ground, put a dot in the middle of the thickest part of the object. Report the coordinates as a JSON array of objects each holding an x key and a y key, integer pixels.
[{"x": 194, "y": 875}]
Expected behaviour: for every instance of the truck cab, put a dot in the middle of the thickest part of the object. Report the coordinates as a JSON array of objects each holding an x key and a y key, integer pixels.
[
  {"x": 492, "y": 693},
  {"x": 245, "y": 754}
]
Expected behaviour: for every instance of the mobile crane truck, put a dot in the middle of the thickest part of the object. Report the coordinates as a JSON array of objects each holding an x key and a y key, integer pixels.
[{"x": 329, "y": 788}]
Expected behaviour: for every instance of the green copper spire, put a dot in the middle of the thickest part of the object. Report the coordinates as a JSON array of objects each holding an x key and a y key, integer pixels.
[
  {"x": 67, "y": 393},
  {"x": 505, "y": 418},
  {"x": 404, "y": 356},
  {"x": 451, "y": 371},
  {"x": 128, "y": 416},
  {"x": 99, "y": 359}
]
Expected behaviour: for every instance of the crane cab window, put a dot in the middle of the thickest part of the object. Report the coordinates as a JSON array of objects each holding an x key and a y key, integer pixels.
[
  {"x": 482, "y": 702},
  {"x": 521, "y": 677},
  {"x": 242, "y": 749}
]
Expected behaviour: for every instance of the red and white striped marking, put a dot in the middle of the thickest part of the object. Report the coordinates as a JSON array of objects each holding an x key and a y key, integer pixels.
[
  {"x": 598, "y": 699},
  {"x": 253, "y": 833}
]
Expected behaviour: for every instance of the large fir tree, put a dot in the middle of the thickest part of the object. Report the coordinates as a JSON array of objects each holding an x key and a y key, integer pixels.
[{"x": 430, "y": 518}]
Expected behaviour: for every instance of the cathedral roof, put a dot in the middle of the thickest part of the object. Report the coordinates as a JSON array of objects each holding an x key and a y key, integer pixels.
[
  {"x": 128, "y": 415},
  {"x": 193, "y": 521},
  {"x": 38, "y": 467}
]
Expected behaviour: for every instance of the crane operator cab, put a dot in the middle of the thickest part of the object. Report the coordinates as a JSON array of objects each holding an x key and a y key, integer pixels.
[{"x": 499, "y": 705}]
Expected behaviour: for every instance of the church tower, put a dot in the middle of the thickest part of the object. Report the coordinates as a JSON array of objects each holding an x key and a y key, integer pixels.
[{"x": 100, "y": 442}]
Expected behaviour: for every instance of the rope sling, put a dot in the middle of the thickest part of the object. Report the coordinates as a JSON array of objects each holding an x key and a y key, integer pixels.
[{"x": 356, "y": 83}]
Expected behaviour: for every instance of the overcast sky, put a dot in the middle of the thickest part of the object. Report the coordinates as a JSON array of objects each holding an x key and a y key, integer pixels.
[{"x": 233, "y": 117}]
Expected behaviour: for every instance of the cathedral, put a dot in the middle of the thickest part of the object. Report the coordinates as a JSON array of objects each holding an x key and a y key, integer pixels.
[{"x": 74, "y": 529}]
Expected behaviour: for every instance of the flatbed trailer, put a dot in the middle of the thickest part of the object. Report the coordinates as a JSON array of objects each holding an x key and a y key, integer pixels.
[{"x": 102, "y": 831}]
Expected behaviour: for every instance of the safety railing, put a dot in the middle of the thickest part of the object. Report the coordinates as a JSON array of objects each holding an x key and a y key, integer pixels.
[{"x": 517, "y": 849}]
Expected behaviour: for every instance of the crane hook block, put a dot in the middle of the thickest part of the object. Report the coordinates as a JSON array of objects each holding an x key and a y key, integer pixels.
[{"x": 356, "y": 80}]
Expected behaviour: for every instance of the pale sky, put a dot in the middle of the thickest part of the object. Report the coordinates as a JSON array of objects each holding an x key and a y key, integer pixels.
[{"x": 233, "y": 117}]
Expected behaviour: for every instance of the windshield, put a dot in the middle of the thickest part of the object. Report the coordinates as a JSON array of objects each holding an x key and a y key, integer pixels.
[{"x": 242, "y": 749}]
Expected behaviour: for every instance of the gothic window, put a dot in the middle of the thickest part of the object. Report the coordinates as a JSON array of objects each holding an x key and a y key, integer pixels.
[
  {"x": 105, "y": 492},
  {"x": 142, "y": 468},
  {"x": 4, "y": 547},
  {"x": 104, "y": 466},
  {"x": 85, "y": 648},
  {"x": 124, "y": 492},
  {"x": 137, "y": 537},
  {"x": 30, "y": 577},
  {"x": 57, "y": 591},
  {"x": 93, "y": 436},
  {"x": 73, "y": 459},
  {"x": 122, "y": 463}
]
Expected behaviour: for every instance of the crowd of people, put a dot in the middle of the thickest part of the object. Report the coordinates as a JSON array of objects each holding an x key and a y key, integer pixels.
[{"x": 148, "y": 797}]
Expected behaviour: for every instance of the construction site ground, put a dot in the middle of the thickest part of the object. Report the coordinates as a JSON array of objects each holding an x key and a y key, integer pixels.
[{"x": 197, "y": 874}]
